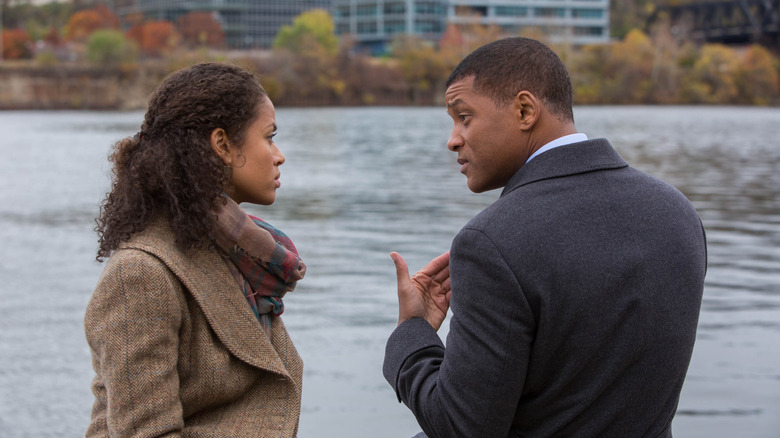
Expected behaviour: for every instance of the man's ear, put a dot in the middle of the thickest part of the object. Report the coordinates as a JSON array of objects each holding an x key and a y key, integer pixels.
[
  {"x": 527, "y": 108},
  {"x": 220, "y": 145}
]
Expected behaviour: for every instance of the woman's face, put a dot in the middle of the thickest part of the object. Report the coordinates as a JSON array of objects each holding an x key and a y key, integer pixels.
[{"x": 256, "y": 165}]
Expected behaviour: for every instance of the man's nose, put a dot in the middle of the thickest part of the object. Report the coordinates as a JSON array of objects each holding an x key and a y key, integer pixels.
[{"x": 455, "y": 142}]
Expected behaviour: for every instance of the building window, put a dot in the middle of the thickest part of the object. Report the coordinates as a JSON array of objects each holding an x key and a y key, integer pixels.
[
  {"x": 394, "y": 26},
  {"x": 432, "y": 8},
  {"x": 342, "y": 12},
  {"x": 589, "y": 31},
  {"x": 550, "y": 12},
  {"x": 368, "y": 27},
  {"x": 367, "y": 10},
  {"x": 395, "y": 8},
  {"x": 471, "y": 11},
  {"x": 511, "y": 11},
  {"x": 427, "y": 26},
  {"x": 587, "y": 13}
]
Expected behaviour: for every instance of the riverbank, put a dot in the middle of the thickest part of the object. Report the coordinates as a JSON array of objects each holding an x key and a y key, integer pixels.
[
  {"x": 76, "y": 87},
  {"x": 631, "y": 72}
]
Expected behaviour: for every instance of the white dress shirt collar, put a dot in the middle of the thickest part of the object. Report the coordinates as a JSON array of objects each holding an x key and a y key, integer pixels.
[{"x": 560, "y": 141}]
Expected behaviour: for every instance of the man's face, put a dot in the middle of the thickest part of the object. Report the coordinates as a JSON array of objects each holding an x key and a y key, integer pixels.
[{"x": 487, "y": 138}]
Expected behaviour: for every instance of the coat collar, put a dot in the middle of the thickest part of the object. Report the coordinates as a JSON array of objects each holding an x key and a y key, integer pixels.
[
  {"x": 571, "y": 159},
  {"x": 205, "y": 275}
]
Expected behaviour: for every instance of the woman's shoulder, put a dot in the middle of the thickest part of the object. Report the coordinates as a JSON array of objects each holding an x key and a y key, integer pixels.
[{"x": 132, "y": 269}]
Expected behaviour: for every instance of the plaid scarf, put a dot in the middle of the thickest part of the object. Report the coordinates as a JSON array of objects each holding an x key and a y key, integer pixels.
[{"x": 262, "y": 259}]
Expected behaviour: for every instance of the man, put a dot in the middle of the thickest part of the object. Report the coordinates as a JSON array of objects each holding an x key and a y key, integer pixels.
[{"x": 575, "y": 296}]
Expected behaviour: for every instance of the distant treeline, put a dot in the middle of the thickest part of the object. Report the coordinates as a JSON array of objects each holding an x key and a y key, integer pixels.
[{"x": 309, "y": 65}]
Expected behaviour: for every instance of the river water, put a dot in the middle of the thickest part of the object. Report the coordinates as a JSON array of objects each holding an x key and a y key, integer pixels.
[{"x": 359, "y": 183}]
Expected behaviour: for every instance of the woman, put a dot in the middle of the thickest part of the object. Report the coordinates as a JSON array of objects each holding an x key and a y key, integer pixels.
[{"x": 183, "y": 324}]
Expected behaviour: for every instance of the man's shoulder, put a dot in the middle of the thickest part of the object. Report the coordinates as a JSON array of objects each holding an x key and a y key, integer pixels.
[{"x": 497, "y": 216}]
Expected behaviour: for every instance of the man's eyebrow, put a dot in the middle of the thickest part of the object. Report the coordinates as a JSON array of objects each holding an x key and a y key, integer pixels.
[{"x": 455, "y": 102}]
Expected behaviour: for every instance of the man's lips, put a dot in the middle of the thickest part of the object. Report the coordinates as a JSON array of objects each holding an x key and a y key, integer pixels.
[
  {"x": 463, "y": 163},
  {"x": 276, "y": 180}
]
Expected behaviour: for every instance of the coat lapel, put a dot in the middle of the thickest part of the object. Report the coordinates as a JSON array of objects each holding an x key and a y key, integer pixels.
[{"x": 206, "y": 276}]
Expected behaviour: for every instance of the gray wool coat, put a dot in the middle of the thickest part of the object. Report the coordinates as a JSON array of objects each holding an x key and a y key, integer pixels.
[{"x": 575, "y": 301}]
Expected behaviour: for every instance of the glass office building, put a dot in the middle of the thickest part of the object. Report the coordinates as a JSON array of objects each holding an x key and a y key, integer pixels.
[
  {"x": 374, "y": 23},
  {"x": 247, "y": 23},
  {"x": 574, "y": 21}
]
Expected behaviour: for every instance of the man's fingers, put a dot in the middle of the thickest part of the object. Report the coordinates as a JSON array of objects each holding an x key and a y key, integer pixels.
[
  {"x": 437, "y": 265},
  {"x": 441, "y": 276}
]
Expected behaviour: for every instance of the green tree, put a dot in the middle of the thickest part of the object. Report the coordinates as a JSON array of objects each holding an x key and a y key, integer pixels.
[
  {"x": 306, "y": 53},
  {"x": 110, "y": 48},
  {"x": 311, "y": 33}
]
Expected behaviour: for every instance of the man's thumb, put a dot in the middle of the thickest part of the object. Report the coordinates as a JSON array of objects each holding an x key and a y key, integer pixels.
[{"x": 401, "y": 270}]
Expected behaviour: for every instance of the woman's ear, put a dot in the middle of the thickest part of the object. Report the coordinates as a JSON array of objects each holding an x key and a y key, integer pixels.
[
  {"x": 220, "y": 144},
  {"x": 527, "y": 109}
]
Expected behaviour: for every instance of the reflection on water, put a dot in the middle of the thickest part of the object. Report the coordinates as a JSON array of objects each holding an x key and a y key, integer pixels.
[{"x": 359, "y": 183}]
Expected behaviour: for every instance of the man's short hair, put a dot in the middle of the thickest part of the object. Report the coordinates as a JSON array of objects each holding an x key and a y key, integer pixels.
[{"x": 503, "y": 68}]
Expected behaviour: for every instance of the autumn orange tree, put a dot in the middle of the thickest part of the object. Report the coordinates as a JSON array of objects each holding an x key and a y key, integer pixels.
[
  {"x": 198, "y": 29},
  {"x": 52, "y": 37},
  {"x": 154, "y": 38},
  {"x": 16, "y": 44},
  {"x": 83, "y": 23}
]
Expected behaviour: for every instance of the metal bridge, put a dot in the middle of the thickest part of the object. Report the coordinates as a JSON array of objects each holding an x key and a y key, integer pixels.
[{"x": 727, "y": 22}]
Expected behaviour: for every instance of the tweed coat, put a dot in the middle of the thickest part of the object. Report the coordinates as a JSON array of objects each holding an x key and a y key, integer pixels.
[
  {"x": 177, "y": 351},
  {"x": 575, "y": 300}
]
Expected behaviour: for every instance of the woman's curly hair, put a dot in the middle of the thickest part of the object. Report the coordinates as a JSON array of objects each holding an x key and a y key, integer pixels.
[{"x": 169, "y": 167}]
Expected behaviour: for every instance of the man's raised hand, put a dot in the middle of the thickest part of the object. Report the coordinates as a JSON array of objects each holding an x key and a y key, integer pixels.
[{"x": 427, "y": 293}]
